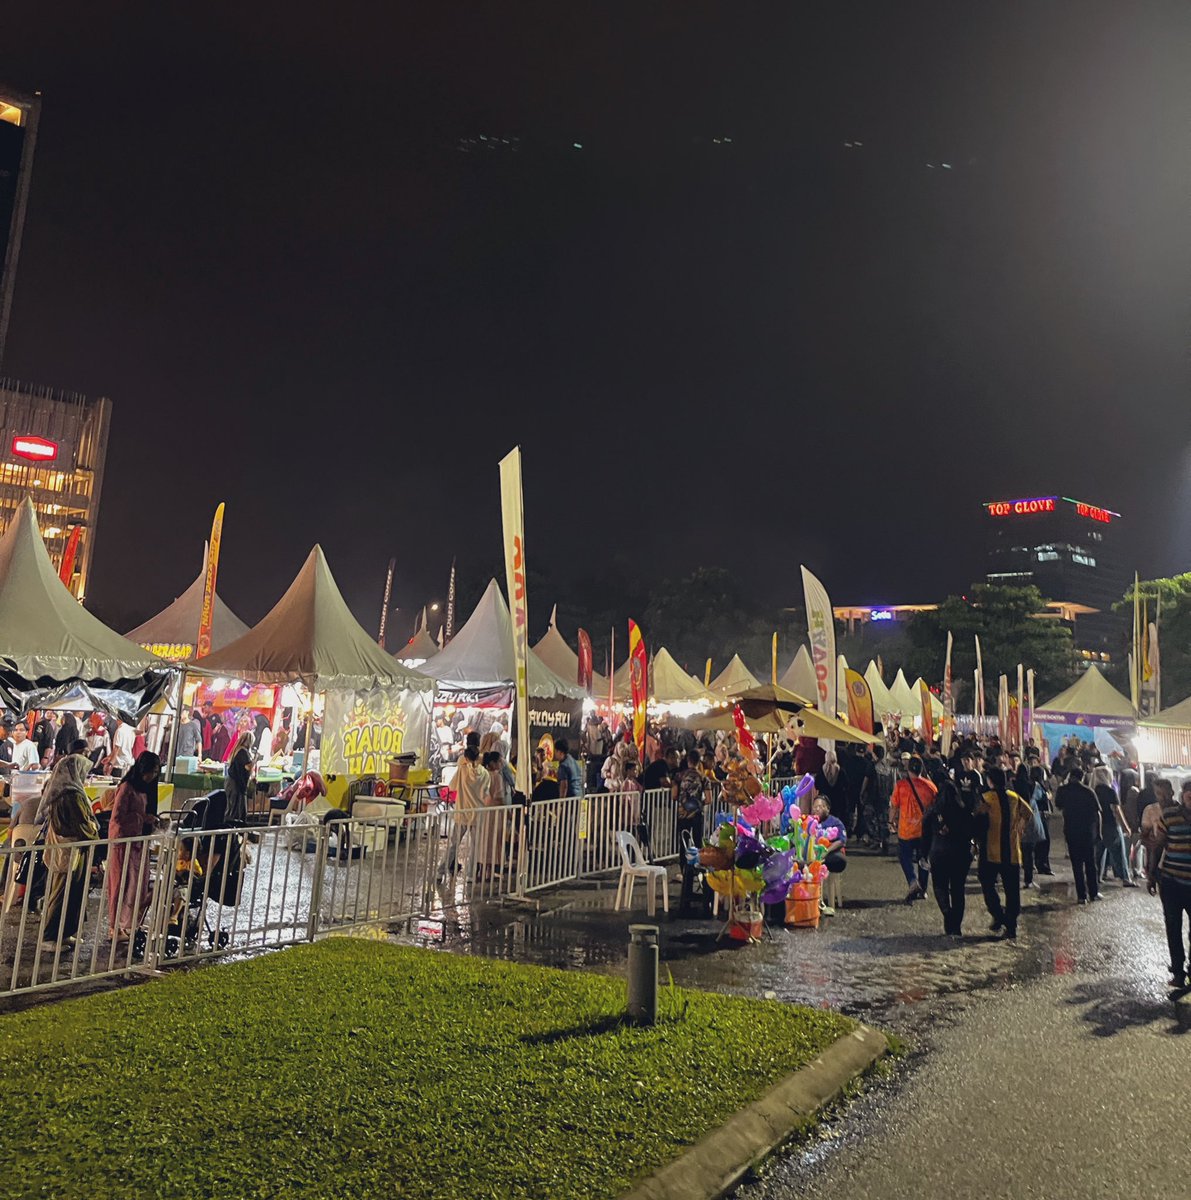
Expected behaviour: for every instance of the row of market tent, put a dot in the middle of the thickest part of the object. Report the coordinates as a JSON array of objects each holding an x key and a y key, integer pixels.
[{"x": 50, "y": 644}]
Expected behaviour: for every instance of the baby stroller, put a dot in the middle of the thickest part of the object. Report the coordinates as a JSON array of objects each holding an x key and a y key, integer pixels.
[{"x": 210, "y": 868}]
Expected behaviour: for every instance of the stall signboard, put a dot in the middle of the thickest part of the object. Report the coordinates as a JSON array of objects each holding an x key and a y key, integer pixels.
[
  {"x": 560, "y": 717},
  {"x": 259, "y": 696},
  {"x": 174, "y": 651},
  {"x": 500, "y": 696},
  {"x": 362, "y": 731}
]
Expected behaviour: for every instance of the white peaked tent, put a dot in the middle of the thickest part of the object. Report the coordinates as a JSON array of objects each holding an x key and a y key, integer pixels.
[
  {"x": 905, "y": 698},
  {"x": 419, "y": 649},
  {"x": 734, "y": 679},
  {"x": 936, "y": 702},
  {"x": 178, "y": 623},
  {"x": 557, "y": 654},
  {"x": 311, "y": 637},
  {"x": 48, "y": 639},
  {"x": 668, "y": 682},
  {"x": 800, "y": 675},
  {"x": 1091, "y": 700},
  {"x": 480, "y": 655},
  {"x": 883, "y": 701}
]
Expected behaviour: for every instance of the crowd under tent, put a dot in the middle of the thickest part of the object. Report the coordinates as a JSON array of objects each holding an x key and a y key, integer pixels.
[
  {"x": 374, "y": 706},
  {"x": 49, "y": 643},
  {"x": 734, "y": 679},
  {"x": 554, "y": 650},
  {"x": 475, "y": 679},
  {"x": 1165, "y": 739},
  {"x": 173, "y": 632},
  {"x": 800, "y": 675}
]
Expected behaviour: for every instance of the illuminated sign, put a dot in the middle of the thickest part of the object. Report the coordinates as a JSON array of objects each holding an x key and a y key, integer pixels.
[
  {"x": 1018, "y": 508},
  {"x": 175, "y": 651},
  {"x": 881, "y": 614},
  {"x": 35, "y": 449},
  {"x": 1093, "y": 513}
]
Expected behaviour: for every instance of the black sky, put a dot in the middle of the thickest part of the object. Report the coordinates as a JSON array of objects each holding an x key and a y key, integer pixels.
[{"x": 257, "y": 228}]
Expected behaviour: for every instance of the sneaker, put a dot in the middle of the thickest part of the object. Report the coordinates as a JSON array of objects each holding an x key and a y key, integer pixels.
[
  {"x": 826, "y": 909},
  {"x": 1010, "y": 935},
  {"x": 1048, "y": 871},
  {"x": 1083, "y": 903},
  {"x": 996, "y": 927},
  {"x": 913, "y": 894},
  {"x": 1098, "y": 896},
  {"x": 1128, "y": 883},
  {"x": 1178, "y": 979}
]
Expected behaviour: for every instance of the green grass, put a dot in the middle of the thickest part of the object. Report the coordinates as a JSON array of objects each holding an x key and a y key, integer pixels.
[{"x": 355, "y": 1068}]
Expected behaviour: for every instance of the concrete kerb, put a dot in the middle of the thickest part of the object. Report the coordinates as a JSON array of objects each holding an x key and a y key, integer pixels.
[{"x": 716, "y": 1164}]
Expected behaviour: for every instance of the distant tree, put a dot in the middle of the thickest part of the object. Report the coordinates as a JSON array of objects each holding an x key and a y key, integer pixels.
[
  {"x": 1014, "y": 627},
  {"x": 1171, "y": 599}
]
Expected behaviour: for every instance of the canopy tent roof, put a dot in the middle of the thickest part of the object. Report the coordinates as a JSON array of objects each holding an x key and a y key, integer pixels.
[
  {"x": 1091, "y": 696},
  {"x": 772, "y": 695},
  {"x": 46, "y": 637},
  {"x": 800, "y": 675},
  {"x": 905, "y": 698},
  {"x": 480, "y": 655},
  {"x": 819, "y": 725},
  {"x": 419, "y": 649},
  {"x": 1177, "y": 716},
  {"x": 311, "y": 636},
  {"x": 554, "y": 650},
  {"x": 883, "y": 701},
  {"x": 936, "y": 702},
  {"x": 734, "y": 679},
  {"x": 177, "y": 624},
  {"x": 668, "y": 682},
  {"x": 807, "y": 722}
]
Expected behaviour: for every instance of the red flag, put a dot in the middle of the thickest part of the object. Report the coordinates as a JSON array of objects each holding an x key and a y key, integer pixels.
[
  {"x": 69, "y": 555},
  {"x": 639, "y": 679},
  {"x": 585, "y": 669}
]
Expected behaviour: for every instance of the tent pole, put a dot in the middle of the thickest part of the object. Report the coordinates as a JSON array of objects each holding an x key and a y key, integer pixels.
[{"x": 169, "y": 768}]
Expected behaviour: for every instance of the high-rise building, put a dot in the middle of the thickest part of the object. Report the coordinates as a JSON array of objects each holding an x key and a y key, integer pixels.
[
  {"x": 1071, "y": 552},
  {"x": 53, "y": 446},
  {"x": 18, "y": 134}
]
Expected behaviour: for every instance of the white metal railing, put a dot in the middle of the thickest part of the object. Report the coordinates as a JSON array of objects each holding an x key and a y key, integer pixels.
[{"x": 550, "y": 847}]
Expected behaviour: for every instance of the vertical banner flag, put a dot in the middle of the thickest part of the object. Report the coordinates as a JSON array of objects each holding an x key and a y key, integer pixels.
[
  {"x": 1155, "y": 666},
  {"x": 820, "y": 627},
  {"x": 1020, "y": 731},
  {"x": 978, "y": 711},
  {"x": 773, "y": 660},
  {"x": 384, "y": 604},
  {"x": 860, "y": 701},
  {"x": 880, "y": 668},
  {"x": 611, "y": 675},
  {"x": 449, "y": 628},
  {"x": 707, "y": 674},
  {"x": 1030, "y": 702},
  {"x": 1003, "y": 710},
  {"x": 639, "y": 681},
  {"x": 66, "y": 574},
  {"x": 513, "y": 524},
  {"x": 948, "y": 701},
  {"x": 928, "y": 716},
  {"x": 585, "y": 664},
  {"x": 207, "y": 613},
  {"x": 1135, "y": 656}
]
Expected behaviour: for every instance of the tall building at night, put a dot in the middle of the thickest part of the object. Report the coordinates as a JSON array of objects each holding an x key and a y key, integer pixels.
[
  {"x": 53, "y": 445},
  {"x": 18, "y": 134},
  {"x": 1071, "y": 552}
]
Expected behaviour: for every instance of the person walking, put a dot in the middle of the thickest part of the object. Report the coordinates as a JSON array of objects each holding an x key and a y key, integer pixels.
[
  {"x": 128, "y": 862},
  {"x": 1040, "y": 799},
  {"x": 691, "y": 791},
  {"x": 1081, "y": 827},
  {"x": 190, "y": 736},
  {"x": 472, "y": 786},
  {"x": 1004, "y": 814},
  {"x": 1114, "y": 828},
  {"x": 239, "y": 774},
  {"x": 951, "y": 853},
  {"x": 912, "y": 797},
  {"x": 1033, "y": 833},
  {"x": 879, "y": 794},
  {"x": 69, "y": 822},
  {"x": 1170, "y": 877}
]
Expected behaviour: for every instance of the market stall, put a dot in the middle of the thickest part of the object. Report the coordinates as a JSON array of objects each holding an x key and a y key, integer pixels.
[
  {"x": 1090, "y": 709},
  {"x": 373, "y": 707},
  {"x": 1164, "y": 740},
  {"x": 173, "y": 633}
]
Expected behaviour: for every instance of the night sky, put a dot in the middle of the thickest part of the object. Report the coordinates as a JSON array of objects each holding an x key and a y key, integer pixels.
[{"x": 290, "y": 243}]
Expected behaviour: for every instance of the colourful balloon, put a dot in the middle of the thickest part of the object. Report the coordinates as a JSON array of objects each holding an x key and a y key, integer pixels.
[{"x": 805, "y": 785}]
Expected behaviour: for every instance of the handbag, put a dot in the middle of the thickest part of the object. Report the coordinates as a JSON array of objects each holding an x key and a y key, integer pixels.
[{"x": 930, "y": 821}]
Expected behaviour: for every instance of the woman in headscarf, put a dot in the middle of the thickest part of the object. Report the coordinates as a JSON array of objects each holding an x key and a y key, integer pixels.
[
  {"x": 239, "y": 769},
  {"x": 128, "y": 873},
  {"x": 221, "y": 739},
  {"x": 262, "y": 738},
  {"x": 69, "y": 823}
]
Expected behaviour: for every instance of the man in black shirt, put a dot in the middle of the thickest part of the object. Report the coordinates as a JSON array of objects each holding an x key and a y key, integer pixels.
[
  {"x": 661, "y": 772},
  {"x": 1081, "y": 827}
]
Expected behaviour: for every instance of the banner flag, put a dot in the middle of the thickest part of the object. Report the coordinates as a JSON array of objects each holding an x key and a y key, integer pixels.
[
  {"x": 820, "y": 627},
  {"x": 384, "y": 604},
  {"x": 512, "y": 516},
  {"x": 978, "y": 711},
  {"x": 207, "y": 613},
  {"x": 928, "y": 715},
  {"x": 1003, "y": 710},
  {"x": 585, "y": 663},
  {"x": 773, "y": 660},
  {"x": 1020, "y": 726},
  {"x": 1155, "y": 670},
  {"x": 860, "y": 701},
  {"x": 639, "y": 682},
  {"x": 948, "y": 702},
  {"x": 448, "y": 630},
  {"x": 66, "y": 574},
  {"x": 611, "y": 673},
  {"x": 707, "y": 674}
]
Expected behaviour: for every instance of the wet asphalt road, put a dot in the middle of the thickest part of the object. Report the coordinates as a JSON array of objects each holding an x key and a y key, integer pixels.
[{"x": 1050, "y": 1067}]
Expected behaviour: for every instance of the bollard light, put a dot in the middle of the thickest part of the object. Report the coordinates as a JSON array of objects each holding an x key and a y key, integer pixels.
[{"x": 643, "y": 974}]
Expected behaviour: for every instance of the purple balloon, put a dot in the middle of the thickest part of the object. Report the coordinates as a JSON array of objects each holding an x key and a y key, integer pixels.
[{"x": 805, "y": 784}]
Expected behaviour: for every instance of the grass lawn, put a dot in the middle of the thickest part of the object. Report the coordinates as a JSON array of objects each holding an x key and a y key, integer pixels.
[{"x": 355, "y": 1068}]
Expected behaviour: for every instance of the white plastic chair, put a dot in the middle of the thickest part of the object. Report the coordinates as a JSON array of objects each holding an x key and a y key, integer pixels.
[
  {"x": 18, "y": 835},
  {"x": 633, "y": 867},
  {"x": 833, "y": 892}
]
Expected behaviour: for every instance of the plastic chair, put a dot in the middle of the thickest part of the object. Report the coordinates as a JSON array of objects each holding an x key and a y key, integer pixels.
[
  {"x": 833, "y": 894},
  {"x": 633, "y": 867},
  {"x": 18, "y": 835}
]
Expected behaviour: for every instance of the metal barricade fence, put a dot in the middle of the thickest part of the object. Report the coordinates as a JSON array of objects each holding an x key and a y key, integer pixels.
[
  {"x": 57, "y": 925},
  {"x": 603, "y": 816},
  {"x": 550, "y": 846},
  {"x": 660, "y": 815}
]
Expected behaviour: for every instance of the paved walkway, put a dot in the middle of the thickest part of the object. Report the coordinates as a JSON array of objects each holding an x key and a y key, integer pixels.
[{"x": 1049, "y": 1067}]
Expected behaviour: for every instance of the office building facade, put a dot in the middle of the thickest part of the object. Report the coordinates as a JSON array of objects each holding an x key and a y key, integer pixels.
[
  {"x": 18, "y": 135},
  {"x": 1071, "y": 551},
  {"x": 53, "y": 446}
]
